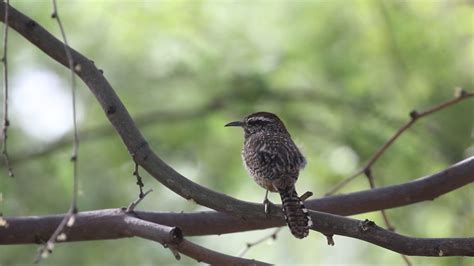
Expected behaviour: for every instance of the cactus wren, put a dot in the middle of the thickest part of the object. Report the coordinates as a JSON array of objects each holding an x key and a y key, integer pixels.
[{"x": 273, "y": 160}]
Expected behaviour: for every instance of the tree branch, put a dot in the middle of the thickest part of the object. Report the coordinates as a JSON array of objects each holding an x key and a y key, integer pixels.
[
  {"x": 172, "y": 238},
  {"x": 98, "y": 225},
  {"x": 108, "y": 224},
  {"x": 95, "y": 225},
  {"x": 421, "y": 189}
]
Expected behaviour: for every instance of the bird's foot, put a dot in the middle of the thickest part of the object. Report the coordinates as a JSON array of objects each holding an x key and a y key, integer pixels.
[{"x": 266, "y": 204}]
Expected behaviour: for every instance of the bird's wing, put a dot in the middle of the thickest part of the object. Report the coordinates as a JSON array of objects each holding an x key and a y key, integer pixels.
[{"x": 281, "y": 160}]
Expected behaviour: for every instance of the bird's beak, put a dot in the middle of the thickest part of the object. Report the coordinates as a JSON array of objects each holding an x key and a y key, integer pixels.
[{"x": 235, "y": 124}]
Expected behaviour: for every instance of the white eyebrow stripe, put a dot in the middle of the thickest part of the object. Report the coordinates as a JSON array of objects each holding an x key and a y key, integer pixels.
[{"x": 260, "y": 118}]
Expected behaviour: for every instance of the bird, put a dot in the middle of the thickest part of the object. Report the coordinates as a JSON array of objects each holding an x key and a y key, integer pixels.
[{"x": 274, "y": 161}]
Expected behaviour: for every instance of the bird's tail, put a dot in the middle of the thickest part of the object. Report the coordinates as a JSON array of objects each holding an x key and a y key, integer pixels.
[{"x": 296, "y": 215}]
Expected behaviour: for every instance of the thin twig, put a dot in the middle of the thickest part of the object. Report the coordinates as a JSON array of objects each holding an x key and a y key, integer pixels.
[
  {"x": 69, "y": 219},
  {"x": 459, "y": 95},
  {"x": 388, "y": 224},
  {"x": 6, "y": 122},
  {"x": 370, "y": 178},
  {"x": 74, "y": 156},
  {"x": 47, "y": 248},
  {"x": 139, "y": 181},
  {"x": 407, "y": 261},
  {"x": 135, "y": 203},
  {"x": 250, "y": 245}
]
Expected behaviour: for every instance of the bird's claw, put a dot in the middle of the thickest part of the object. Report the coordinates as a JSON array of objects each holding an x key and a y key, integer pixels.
[{"x": 266, "y": 204}]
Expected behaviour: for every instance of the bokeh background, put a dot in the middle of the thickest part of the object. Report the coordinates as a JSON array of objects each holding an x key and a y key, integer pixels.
[{"x": 343, "y": 75}]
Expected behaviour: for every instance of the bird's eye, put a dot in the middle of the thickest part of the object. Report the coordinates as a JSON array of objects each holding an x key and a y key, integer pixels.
[
  {"x": 257, "y": 122},
  {"x": 252, "y": 122}
]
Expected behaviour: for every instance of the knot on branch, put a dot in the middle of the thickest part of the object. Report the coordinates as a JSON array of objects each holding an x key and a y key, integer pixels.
[
  {"x": 366, "y": 224},
  {"x": 134, "y": 151},
  {"x": 111, "y": 110},
  {"x": 414, "y": 114},
  {"x": 30, "y": 24},
  {"x": 176, "y": 235}
]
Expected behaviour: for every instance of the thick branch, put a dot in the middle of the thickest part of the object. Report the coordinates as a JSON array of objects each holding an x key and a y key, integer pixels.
[
  {"x": 103, "y": 224},
  {"x": 426, "y": 188},
  {"x": 207, "y": 223},
  {"x": 108, "y": 224},
  {"x": 92, "y": 225},
  {"x": 368, "y": 231}
]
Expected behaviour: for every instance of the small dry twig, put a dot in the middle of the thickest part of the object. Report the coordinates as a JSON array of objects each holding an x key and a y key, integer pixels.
[
  {"x": 135, "y": 203},
  {"x": 47, "y": 248},
  {"x": 459, "y": 95},
  {"x": 387, "y": 222},
  {"x": 250, "y": 245},
  {"x": 6, "y": 122},
  {"x": 139, "y": 181},
  {"x": 69, "y": 219},
  {"x": 370, "y": 178}
]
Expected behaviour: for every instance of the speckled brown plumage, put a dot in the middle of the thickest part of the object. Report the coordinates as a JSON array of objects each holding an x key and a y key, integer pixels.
[{"x": 274, "y": 161}]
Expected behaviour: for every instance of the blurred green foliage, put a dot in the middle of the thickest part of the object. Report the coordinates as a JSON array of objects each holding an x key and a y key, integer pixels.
[{"x": 343, "y": 75}]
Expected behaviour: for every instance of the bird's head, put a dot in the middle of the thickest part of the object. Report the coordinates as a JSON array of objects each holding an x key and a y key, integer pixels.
[{"x": 260, "y": 122}]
